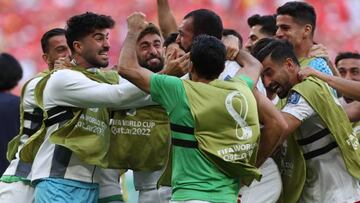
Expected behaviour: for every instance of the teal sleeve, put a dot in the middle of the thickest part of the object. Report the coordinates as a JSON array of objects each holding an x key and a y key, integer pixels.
[
  {"x": 249, "y": 82},
  {"x": 165, "y": 90}
]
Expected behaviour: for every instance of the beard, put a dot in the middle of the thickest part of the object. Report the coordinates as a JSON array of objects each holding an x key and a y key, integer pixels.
[
  {"x": 154, "y": 68},
  {"x": 94, "y": 61}
]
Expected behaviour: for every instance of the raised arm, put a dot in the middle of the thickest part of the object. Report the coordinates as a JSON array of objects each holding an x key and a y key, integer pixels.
[
  {"x": 129, "y": 67},
  {"x": 251, "y": 66},
  {"x": 346, "y": 87},
  {"x": 166, "y": 18},
  {"x": 274, "y": 128}
]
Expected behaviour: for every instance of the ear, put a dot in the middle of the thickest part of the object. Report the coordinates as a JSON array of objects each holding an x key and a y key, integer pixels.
[
  {"x": 290, "y": 64},
  {"x": 45, "y": 57},
  {"x": 308, "y": 30},
  {"x": 77, "y": 46}
]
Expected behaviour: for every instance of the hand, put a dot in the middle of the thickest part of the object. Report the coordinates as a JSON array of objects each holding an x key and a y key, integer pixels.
[
  {"x": 306, "y": 72},
  {"x": 136, "y": 22},
  {"x": 63, "y": 63},
  {"x": 177, "y": 66},
  {"x": 319, "y": 50},
  {"x": 231, "y": 43}
]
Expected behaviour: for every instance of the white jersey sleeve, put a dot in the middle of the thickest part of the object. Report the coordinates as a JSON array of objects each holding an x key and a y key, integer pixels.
[
  {"x": 72, "y": 88},
  {"x": 298, "y": 107}
]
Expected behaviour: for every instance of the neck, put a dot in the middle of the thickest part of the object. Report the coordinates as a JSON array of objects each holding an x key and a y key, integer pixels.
[
  {"x": 302, "y": 50},
  {"x": 195, "y": 78},
  {"x": 81, "y": 62}
]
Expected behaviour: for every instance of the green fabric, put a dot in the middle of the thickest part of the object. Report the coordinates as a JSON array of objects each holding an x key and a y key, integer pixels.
[
  {"x": 203, "y": 180},
  {"x": 13, "y": 179},
  {"x": 111, "y": 199},
  {"x": 140, "y": 139},
  {"x": 87, "y": 134},
  {"x": 335, "y": 118},
  {"x": 14, "y": 144},
  {"x": 249, "y": 81}
]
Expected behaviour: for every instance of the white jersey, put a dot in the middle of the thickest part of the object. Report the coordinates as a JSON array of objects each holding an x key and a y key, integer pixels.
[
  {"x": 16, "y": 167},
  {"x": 74, "y": 89},
  {"x": 327, "y": 179},
  {"x": 231, "y": 68},
  {"x": 109, "y": 182}
]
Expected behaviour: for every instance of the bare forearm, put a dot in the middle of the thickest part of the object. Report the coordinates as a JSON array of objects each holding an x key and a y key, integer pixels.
[
  {"x": 353, "y": 111},
  {"x": 251, "y": 66},
  {"x": 167, "y": 21},
  {"x": 127, "y": 56},
  {"x": 348, "y": 88},
  {"x": 274, "y": 126}
]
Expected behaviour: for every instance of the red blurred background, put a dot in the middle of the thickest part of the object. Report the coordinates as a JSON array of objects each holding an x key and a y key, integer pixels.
[{"x": 22, "y": 22}]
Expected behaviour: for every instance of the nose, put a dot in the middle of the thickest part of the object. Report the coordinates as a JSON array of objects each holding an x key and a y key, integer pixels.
[
  {"x": 153, "y": 50},
  {"x": 266, "y": 81},
  {"x": 248, "y": 45},
  {"x": 178, "y": 39},
  {"x": 348, "y": 75},
  {"x": 279, "y": 34},
  {"x": 106, "y": 43}
]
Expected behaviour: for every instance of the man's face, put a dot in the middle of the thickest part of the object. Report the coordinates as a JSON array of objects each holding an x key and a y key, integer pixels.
[
  {"x": 57, "y": 48},
  {"x": 289, "y": 30},
  {"x": 186, "y": 34},
  {"x": 95, "y": 48},
  {"x": 349, "y": 69},
  {"x": 254, "y": 36},
  {"x": 276, "y": 77},
  {"x": 149, "y": 51}
]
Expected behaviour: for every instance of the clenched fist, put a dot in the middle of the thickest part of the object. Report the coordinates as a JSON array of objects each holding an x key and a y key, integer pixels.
[{"x": 136, "y": 22}]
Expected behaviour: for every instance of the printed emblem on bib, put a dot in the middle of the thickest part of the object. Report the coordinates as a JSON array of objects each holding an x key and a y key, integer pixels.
[
  {"x": 294, "y": 98},
  {"x": 239, "y": 117}
]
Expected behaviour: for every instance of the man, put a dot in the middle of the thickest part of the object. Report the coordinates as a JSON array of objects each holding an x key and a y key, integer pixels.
[
  {"x": 191, "y": 171},
  {"x": 15, "y": 185},
  {"x": 11, "y": 74},
  {"x": 296, "y": 22},
  {"x": 149, "y": 51},
  {"x": 260, "y": 27},
  {"x": 75, "y": 102},
  {"x": 326, "y": 142},
  {"x": 348, "y": 65}
]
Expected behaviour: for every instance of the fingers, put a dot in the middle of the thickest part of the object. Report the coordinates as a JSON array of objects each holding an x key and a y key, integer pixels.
[
  {"x": 62, "y": 63},
  {"x": 136, "y": 22}
]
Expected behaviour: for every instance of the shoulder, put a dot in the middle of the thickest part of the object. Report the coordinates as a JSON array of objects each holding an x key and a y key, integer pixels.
[
  {"x": 297, "y": 106},
  {"x": 321, "y": 65}
]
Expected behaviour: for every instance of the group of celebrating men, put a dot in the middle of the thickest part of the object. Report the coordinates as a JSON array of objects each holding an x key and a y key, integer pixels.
[{"x": 197, "y": 117}]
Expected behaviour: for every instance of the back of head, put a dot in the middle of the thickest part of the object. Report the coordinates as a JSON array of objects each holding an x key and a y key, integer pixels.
[
  {"x": 208, "y": 56},
  {"x": 49, "y": 34},
  {"x": 346, "y": 55},
  {"x": 227, "y": 32},
  {"x": 267, "y": 23},
  {"x": 170, "y": 39},
  {"x": 11, "y": 72},
  {"x": 149, "y": 29},
  {"x": 206, "y": 22},
  {"x": 303, "y": 13},
  {"x": 278, "y": 50},
  {"x": 80, "y": 26}
]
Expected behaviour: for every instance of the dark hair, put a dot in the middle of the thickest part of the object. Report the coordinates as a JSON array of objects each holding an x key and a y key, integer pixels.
[
  {"x": 49, "y": 34},
  {"x": 303, "y": 13},
  {"x": 227, "y": 32},
  {"x": 11, "y": 72},
  {"x": 149, "y": 29},
  {"x": 170, "y": 39},
  {"x": 346, "y": 55},
  {"x": 206, "y": 22},
  {"x": 279, "y": 50},
  {"x": 267, "y": 23},
  {"x": 80, "y": 26},
  {"x": 208, "y": 56}
]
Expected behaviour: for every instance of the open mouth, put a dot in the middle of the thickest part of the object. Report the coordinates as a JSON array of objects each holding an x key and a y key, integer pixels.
[{"x": 275, "y": 87}]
